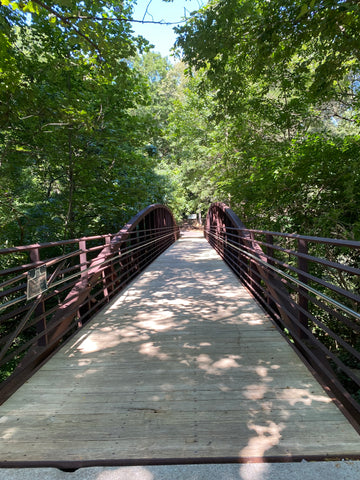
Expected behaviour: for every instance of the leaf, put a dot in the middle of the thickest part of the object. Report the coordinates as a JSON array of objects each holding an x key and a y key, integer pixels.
[
  {"x": 303, "y": 11},
  {"x": 31, "y": 7}
]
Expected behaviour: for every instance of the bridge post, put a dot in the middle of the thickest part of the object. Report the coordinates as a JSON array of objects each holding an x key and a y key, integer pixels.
[
  {"x": 303, "y": 301},
  {"x": 270, "y": 252},
  {"x": 108, "y": 274},
  {"x": 83, "y": 261},
  {"x": 253, "y": 270},
  {"x": 83, "y": 274},
  {"x": 40, "y": 309}
]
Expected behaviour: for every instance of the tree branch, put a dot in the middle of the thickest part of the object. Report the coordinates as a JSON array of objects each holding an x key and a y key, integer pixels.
[
  {"x": 345, "y": 118},
  {"x": 67, "y": 22},
  {"x": 119, "y": 19},
  {"x": 146, "y": 11}
]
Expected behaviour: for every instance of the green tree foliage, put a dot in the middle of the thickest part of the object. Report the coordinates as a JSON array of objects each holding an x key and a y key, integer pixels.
[
  {"x": 161, "y": 82},
  {"x": 196, "y": 146},
  {"x": 180, "y": 134},
  {"x": 90, "y": 132},
  {"x": 285, "y": 77},
  {"x": 72, "y": 159}
]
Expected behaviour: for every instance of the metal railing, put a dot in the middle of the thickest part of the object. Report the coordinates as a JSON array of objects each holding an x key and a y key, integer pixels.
[
  {"x": 48, "y": 291},
  {"x": 310, "y": 286}
]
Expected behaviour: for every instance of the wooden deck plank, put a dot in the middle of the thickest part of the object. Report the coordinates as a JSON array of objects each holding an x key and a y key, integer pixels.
[{"x": 183, "y": 364}]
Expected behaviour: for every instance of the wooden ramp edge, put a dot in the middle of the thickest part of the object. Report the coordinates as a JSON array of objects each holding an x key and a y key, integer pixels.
[{"x": 182, "y": 367}]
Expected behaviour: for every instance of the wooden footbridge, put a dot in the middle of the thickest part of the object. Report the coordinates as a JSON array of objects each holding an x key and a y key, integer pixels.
[{"x": 118, "y": 364}]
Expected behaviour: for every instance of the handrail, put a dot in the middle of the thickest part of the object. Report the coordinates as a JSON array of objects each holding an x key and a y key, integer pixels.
[
  {"x": 79, "y": 283},
  {"x": 309, "y": 286}
]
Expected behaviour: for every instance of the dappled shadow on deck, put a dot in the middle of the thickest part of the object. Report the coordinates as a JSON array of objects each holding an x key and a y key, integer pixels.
[{"x": 183, "y": 364}]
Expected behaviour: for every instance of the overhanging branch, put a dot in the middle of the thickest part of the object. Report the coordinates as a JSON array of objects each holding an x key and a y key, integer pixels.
[{"x": 67, "y": 22}]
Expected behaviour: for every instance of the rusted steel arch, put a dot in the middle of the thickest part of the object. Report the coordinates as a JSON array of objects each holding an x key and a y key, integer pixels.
[
  {"x": 150, "y": 221},
  {"x": 288, "y": 274},
  {"x": 124, "y": 256},
  {"x": 224, "y": 228}
]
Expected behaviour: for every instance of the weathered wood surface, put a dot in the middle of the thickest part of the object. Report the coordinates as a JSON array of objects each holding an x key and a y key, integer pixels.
[{"x": 182, "y": 364}]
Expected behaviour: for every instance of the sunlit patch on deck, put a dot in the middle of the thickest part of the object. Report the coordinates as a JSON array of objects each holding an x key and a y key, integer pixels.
[{"x": 183, "y": 364}]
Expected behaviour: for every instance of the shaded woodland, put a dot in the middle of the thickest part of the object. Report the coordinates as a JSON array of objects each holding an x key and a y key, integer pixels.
[{"x": 261, "y": 110}]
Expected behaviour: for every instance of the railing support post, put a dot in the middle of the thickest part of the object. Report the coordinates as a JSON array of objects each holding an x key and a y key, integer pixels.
[
  {"x": 107, "y": 273},
  {"x": 83, "y": 261},
  {"x": 83, "y": 270},
  {"x": 303, "y": 301},
  {"x": 253, "y": 270},
  {"x": 40, "y": 309},
  {"x": 270, "y": 252}
]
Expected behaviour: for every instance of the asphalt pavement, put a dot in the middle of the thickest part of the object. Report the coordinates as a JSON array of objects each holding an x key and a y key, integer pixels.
[{"x": 339, "y": 470}]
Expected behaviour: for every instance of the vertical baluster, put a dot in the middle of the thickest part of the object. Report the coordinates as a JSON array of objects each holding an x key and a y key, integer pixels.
[
  {"x": 160, "y": 244},
  {"x": 115, "y": 264},
  {"x": 152, "y": 235},
  {"x": 40, "y": 309},
  {"x": 84, "y": 273},
  {"x": 270, "y": 252},
  {"x": 224, "y": 240},
  {"x": 252, "y": 264},
  {"x": 83, "y": 261},
  {"x": 236, "y": 256},
  {"x": 106, "y": 274},
  {"x": 303, "y": 265},
  {"x": 222, "y": 235}
]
